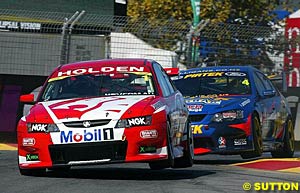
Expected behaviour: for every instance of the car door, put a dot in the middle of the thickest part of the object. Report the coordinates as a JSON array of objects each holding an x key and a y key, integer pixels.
[
  {"x": 177, "y": 110},
  {"x": 269, "y": 100}
]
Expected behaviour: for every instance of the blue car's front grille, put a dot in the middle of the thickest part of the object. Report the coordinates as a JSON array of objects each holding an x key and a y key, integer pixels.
[{"x": 196, "y": 118}]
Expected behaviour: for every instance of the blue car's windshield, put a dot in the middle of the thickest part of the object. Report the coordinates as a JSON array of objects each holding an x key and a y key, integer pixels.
[{"x": 215, "y": 83}]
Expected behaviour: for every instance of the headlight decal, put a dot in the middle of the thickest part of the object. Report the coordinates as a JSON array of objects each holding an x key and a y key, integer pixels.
[
  {"x": 228, "y": 116},
  {"x": 135, "y": 121},
  {"x": 41, "y": 128},
  {"x": 37, "y": 127}
]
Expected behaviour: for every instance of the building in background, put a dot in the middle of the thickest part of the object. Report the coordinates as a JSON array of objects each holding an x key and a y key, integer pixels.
[{"x": 29, "y": 50}]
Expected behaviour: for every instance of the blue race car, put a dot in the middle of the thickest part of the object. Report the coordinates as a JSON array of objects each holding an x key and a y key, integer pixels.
[{"x": 236, "y": 110}]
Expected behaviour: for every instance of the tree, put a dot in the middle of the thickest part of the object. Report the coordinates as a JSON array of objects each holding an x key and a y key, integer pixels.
[
  {"x": 161, "y": 23},
  {"x": 234, "y": 11},
  {"x": 160, "y": 9},
  {"x": 249, "y": 28}
]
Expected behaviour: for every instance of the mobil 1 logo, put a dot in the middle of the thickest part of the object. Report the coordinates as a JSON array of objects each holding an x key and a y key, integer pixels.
[{"x": 86, "y": 135}]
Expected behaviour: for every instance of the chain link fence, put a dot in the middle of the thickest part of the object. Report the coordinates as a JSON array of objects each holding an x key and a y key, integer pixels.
[
  {"x": 231, "y": 44},
  {"x": 33, "y": 43}
]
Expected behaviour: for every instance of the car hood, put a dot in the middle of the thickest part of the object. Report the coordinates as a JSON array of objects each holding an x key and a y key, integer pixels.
[
  {"x": 59, "y": 111},
  {"x": 209, "y": 105}
]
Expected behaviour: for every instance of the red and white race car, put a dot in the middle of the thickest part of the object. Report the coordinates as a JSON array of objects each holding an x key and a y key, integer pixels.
[{"x": 105, "y": 111}]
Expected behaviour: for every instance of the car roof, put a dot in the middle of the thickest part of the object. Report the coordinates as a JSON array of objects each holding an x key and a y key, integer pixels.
[
  {"x": 97, "y": 63},
  {"x": 218, "y": 68}
]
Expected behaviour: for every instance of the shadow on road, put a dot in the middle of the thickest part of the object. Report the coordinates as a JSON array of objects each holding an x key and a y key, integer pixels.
[
  {"x": 138, "y": 174},
  {"x": 215, "y": 159},
  {"x": 221, "y": 162}
]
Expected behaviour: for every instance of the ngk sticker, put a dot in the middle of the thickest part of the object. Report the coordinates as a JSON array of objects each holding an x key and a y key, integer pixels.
[
  {"x": 137, "y": 121},
  {"x": 38, "y": 127},
  {"x": 148, "y": 134}
]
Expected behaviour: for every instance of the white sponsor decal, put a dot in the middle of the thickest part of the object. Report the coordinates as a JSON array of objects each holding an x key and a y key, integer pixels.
[
  {"x": 19, "y": 25},
  {"x": 38, "y": 127},
  {"x": 137, "y": 121},
  {"x": 235, "y": 74},
  {"x": 146, "y": 134},
  {"x": 102, "y": 69},
  {"x": 245, "y": 102},
  {"x": 205, "y": 101},
  {"x": 28, "y": 141},
  {"x": 195, "y": 108},
  {"x": 240, "y": 141},
  {"x": 157, "y": 105}
]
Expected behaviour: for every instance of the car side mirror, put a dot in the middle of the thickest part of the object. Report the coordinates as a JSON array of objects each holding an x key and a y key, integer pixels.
[
  {"x": 279, "y": 81},
  {"x": 269, "y": 93},
  {"x": 27, "y": 99}
]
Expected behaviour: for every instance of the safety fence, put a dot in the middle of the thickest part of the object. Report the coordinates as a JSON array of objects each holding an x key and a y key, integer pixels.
[{"x": 33, "y": 43}]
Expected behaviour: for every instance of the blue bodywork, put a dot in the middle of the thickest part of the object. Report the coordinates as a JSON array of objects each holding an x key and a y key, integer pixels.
[{"x": 222, "y": 102}]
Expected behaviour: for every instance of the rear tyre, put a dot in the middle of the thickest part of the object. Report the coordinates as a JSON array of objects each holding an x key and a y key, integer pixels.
[
  {"x": 32, "y": 172},
  {"x": 188, "y": 155},
  {"x": 257, "y": 140},
  {"x": 158, "y": 165},
  {"x": 288, "y": 148}
]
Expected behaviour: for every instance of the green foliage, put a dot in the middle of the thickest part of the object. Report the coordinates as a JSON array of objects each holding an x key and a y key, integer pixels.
[
  {"x": 232, "y": 43},
  {"x": 161, "y": 23},
  {"x": 160, "y": 9}
]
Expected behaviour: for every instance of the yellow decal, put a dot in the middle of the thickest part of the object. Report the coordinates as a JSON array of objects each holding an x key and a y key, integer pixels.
[
  {"x": 204, "y": 74},
  {"x": 197, "y": 129},
  {"x": 57, "y": 78},
  {"x": 146, "y": 78},
  {"x": 245, "y": 82},
  {"x": 222, "y": 99},
  {"x": 141, "y": 73}
]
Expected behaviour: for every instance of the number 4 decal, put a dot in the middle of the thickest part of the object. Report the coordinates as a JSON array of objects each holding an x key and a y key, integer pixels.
[{"x": 108, "y": 134}]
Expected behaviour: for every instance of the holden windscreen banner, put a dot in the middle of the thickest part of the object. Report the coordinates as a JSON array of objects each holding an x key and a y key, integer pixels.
[{"x": 292, "y": 55}]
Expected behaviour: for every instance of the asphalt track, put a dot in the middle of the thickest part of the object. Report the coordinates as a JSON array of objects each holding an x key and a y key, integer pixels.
[{"x": 210, "y": 173}]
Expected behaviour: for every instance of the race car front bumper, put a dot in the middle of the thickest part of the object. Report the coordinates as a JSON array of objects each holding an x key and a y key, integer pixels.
[
  {"x": 223, "y": 138},
  {"x": 134, "y": 147}
]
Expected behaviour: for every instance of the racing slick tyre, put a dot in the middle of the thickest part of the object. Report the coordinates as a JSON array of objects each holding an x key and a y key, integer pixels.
[
  {"x": 32, "y": 172},
  {"x": 158, "y": 165},
  {"x": 257, "y": 140},
  {"x": 288, "y": 147},
  {"x": 187, "y": 159}
]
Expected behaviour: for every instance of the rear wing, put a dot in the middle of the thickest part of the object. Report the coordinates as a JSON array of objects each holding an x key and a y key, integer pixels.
[
  {"x": 279, "y": 80},
  {"x": 172, "y": 72}
]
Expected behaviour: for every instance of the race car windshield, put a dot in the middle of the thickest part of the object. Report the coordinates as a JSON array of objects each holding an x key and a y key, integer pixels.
[
  {"x": 89, "y": 85},
  {"x": 228, "y": 83}
]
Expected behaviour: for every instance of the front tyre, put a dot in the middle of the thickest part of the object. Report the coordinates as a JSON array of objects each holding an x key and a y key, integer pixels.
[
  {"x": 161, "y": 164},
  {"x": 187, "y": 159},
  {"x": 257, "y": 140},
  {"x": 288, "y": 148}
]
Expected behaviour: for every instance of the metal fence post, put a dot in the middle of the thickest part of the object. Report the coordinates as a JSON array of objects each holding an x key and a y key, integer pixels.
[
  {"x": 69, "y": 35},
  {"x": 63, "y": 53}
]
